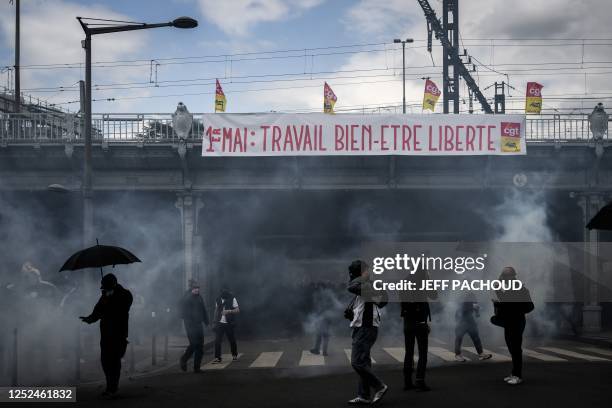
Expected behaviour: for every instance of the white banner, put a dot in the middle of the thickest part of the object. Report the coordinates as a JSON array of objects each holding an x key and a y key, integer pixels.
[{"x": 318, "y": 134}]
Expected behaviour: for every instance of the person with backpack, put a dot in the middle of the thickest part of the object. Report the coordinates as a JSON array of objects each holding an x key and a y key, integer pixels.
[
  {"x": 364, "y": 314},
  {"x": 511, "y": 307}
]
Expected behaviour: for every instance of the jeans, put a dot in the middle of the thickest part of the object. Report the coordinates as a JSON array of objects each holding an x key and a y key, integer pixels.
[
  {"x": 467, "y": 326},
  {"x": 418, "y": 332},
  {"x": 195, "y": 335},
  {"x": 228, "y": 330},
  {"x": 363, "y": 340},
  {"x": 111, "y": 353},
  {"x": 513, "y": 333}
]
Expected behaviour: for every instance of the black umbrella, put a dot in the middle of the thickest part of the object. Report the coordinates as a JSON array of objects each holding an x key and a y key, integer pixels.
[
  {"x": 98, "y": 256},
  {"x": 602, "y": 220}
]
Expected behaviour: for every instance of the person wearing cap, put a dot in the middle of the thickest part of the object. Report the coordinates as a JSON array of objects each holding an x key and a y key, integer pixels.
[
  {"x": 510, "y": 309},
  {"x": 365, "y": 313},
  {"x": 112, "y": 310},
  {"x": 193, "y": 313}
]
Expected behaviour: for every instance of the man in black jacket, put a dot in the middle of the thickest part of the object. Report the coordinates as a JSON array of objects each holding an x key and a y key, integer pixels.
[
  {"x": 510, "y": 310},
  {"x": 113, "y": 311},
  {"x": 193, "y": 313},
  {"x": 416, "y": 314}
]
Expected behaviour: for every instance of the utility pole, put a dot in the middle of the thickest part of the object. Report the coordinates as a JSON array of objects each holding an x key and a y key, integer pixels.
[
  {"x": 403, "y": 42},
  {"x": 17, "y": 46},
  {"x": 450, "y": 25},
  {"x": 500, "y": 97}
]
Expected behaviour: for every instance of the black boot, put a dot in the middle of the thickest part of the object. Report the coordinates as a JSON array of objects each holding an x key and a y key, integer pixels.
[
  {"x": 183, "y": 364},
  {"x": 408, "y": 385}
]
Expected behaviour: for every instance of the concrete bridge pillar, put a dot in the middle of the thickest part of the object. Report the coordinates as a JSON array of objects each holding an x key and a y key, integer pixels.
[
  {"x": 189, "y": 205},
  {"x": 591, "y": 310}
]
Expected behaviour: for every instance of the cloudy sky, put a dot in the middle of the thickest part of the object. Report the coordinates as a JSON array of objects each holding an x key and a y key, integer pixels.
[{"x": 276, "y": 54}]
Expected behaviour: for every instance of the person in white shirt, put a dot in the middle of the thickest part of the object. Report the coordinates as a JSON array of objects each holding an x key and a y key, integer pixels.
[
  {"x": 226, "y": 309},
  {"x": 365, "y": 322}
]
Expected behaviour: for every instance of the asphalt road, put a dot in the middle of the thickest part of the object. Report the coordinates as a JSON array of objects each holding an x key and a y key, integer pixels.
[{"x": 569, "y": 384}]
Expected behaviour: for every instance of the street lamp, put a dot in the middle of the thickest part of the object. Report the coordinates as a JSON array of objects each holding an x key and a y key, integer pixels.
[
  {"x": 95, "y": 26},
  {"x": 403, "y": 42}
]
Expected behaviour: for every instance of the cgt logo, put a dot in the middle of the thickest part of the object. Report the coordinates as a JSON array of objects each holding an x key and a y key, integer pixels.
[
  {"x": 511, "y": 129},
  {"x": 432, "y": 89}
]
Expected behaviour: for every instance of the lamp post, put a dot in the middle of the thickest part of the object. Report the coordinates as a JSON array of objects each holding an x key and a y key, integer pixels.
[
  {"x": 403, "y": 42},
  {"x": 95, "y": 26}
]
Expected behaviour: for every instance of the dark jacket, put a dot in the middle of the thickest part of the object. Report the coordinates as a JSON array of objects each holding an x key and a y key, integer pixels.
[
  {"x": 513, "y": 305},
  {"x": 113, "y": 312},
  {"x": 193, "y": 310},
  {"x": 225, "y": 302}
]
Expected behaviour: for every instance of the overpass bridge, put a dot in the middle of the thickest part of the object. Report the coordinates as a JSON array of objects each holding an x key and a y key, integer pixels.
[{"x": 141, "y": 152}]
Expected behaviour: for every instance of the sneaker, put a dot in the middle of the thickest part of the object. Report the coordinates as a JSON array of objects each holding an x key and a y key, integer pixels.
[
  {"x": 314, "y": 351},
  {"x": 380, "y": 394},
  {"x": 216, "y": 361},
  {"x": 235, "y": 358},
  {"x": 514, "y": 380},
  {"x": 508, "y": 378},
  {"x": 324, "y": 354},
  {"x": 460, "y": 358},
  {"x": 359, "y": 401},
  {"x": 484, "y": 356}
]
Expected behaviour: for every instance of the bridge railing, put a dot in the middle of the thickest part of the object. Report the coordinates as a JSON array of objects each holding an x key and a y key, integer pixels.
[{"x": 157, "y": 128}]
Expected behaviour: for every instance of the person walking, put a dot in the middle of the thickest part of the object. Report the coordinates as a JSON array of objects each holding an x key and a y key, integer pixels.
[
  {"x": 226, "y": 309},
  {"x": 416, "y": 314},
  {"x": 465, "y": 316},
  {"x": 193, "y": 313},
  {"x": 511, "y": 307},
  {"x": 324, "y": 307},
  {"x": 364, "y": 314},
  {"x": 112, "y": 310}
]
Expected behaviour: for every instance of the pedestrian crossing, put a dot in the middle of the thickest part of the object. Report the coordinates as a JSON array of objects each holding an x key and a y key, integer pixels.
[{"x": 395, "y": 355}]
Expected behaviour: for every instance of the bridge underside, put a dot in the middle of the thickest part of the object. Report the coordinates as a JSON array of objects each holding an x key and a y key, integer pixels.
[{"x": 153, "y": 167}]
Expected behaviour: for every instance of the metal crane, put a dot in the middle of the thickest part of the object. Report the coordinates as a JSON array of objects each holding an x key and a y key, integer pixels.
[{"x": 451, "y": 53}]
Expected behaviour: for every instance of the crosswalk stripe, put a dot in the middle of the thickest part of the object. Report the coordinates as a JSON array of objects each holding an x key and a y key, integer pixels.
[
  {"x": 597, "y": 350},
  {"x": 309, "y": 359},
  {"x": 348, "y": 355},
  {"x": 496, "y": 356},
  {"x": 574, "y": 354},
  {"x": 398, "y": 353},
  {"x": 442, "y": 353},
  {"x": 267, "y": 359},
  {"x": 226, "y": 359},
  {"x": 541, "y": 356},
  {"x": 438, "y": 341}
]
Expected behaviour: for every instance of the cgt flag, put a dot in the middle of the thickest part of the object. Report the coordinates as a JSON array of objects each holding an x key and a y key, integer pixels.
[
  {"x": 533, "y": 101},
  {"x": 329, "y": 99},
  {"x": 220, "y": 100},
  {"x": 431, "y": 95}
]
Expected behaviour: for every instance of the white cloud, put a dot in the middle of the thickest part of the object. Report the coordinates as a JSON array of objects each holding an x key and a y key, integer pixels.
[
  {"x": 237, "y": 17},
  {"x": 50, "y": 34}
]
